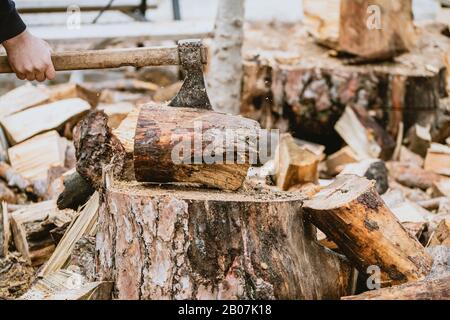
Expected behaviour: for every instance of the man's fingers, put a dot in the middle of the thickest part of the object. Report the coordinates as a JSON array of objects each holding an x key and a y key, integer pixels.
[
  {"x": 30, "y": 76},
  {"x": 21, "y": 76},
  {"x": 40, "y": 76},
  {"x": 50, "y": 72}
]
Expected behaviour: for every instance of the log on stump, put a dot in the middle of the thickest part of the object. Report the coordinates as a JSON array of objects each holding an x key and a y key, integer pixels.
[
  {"x": 193, "y": 146},
  {"x": 175, "y": 243},
  {"x": 352, "y": 214},
  {"x": 298, "y": 87}
]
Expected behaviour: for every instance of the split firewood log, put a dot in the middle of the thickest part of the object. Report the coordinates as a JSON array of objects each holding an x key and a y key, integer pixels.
[
  {"x": 411, "y": 175},
  {"x": 373, "y": 30},
  {"x": 338, "y": 160},
  {"x": 438, "y": 159},
  {"x": 22, "y": 98},
  {"x": 377, "y": 29},
  {"x": 32, "y": 228},
  {"x": 294, "y": 165},
  {"x": 30, "y": 122},
  {"x": 189, "y": 146},
  {"x": 366, "y": 138},
  {"x": 419, "y": 140},
  {"x": 5, "y": 230},
  {"x": 441, "y": 236},
  {"x": 352, "y": 214}
]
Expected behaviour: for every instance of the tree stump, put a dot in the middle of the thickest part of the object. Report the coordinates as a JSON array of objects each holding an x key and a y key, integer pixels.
[
  {"x": 301, "y": 87},
  {"x": 170, "y": 242}
]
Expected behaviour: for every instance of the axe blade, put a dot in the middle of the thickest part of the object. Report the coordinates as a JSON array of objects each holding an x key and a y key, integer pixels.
[{"x": 193, "y": 91}]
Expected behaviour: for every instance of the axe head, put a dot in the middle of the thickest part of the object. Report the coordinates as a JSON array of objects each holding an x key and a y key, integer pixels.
[{"x": 193, "y": 91}]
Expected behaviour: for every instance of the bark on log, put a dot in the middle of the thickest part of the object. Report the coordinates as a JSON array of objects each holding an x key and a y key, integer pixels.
[
  {"x": 352, "y": 214},
  {"x": 376, "y": 29},
  {"x": 307, "y": 91},
  {"x": 169, "y": 243},
  {"x": 224, "y": 86},
  {"x": 96, "y": 147},
  {"x": 193, "y": 146}
]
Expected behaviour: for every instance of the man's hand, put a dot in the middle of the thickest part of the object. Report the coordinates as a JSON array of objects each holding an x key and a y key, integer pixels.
[{"x": 30, "y": 57}]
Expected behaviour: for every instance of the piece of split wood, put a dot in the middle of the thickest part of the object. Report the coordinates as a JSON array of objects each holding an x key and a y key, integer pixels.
[
  {"x": 85, "y": 224},
  {"x": 337, "y": 161},
  {"x": 404, "y": 209},
  {"x": 32, "y": 228},
  {"x": 441, "y": 188},
  {"x": 33, "y": 158},
  {"x": 322, "y": 20},
  {"x": 5, "y": 231},
  {"x": 73, "y": 90},
  {"x": 438, "y": 159},
  {"x": 420, "y": 139},
  {"x": 356, "y": 136},
  {"x": 28, "y": 123},
  {"x": 294, "y": 165},
  {"x": 116, "y": 112},
  {"x": 407, "y": 156},
  {"x": 22, "y": 98},
  {"x": 376, "y": 29},
  {"x": 441, "y": 236},
  {"x": 68, "y": 285},
  {"x": 411, "y": 175}
]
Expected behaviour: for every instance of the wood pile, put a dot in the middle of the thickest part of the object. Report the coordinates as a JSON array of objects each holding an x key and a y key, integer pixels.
[{"x": 107, "y": 193}]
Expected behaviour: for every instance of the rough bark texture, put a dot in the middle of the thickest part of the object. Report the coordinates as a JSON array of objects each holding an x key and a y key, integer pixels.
[
  {"x": 376, "y": 29},
  {"x": 305, "y": 91},
  {"x": 193, "y": 146},
  {"x": 352, "y": 214},
  {"x": 224, "y": 85},
  {"x": 167, "y": 243},
  {"x": 96, "y": 147}
]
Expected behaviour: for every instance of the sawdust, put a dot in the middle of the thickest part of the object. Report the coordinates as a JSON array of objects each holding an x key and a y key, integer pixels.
[{"x": 16, "y": 276}]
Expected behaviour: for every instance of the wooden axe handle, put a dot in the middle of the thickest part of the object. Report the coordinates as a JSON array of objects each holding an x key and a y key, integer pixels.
[{"x": 111, "y": 58}]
